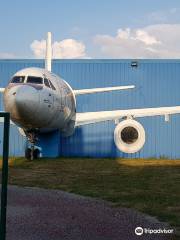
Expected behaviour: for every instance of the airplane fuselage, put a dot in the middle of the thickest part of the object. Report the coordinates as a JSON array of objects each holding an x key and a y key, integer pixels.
[{"x": 39, "y": 99}]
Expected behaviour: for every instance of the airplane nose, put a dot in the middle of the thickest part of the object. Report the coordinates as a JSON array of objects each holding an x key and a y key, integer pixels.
[
  {"x": 26, "y": 100},
  {"x": 22, "y": 102}
]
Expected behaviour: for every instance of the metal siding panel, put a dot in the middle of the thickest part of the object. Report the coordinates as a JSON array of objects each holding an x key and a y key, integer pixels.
[
  {"x": 49, "y": 142},
  {"x": 157, "y": 84}
]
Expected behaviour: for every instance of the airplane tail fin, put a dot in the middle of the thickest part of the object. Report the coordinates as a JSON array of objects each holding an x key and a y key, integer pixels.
[{"x": 48, "y": 60}]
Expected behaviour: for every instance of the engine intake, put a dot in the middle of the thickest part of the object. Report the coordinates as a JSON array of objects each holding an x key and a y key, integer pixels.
[{"x": 129, "y": 136}]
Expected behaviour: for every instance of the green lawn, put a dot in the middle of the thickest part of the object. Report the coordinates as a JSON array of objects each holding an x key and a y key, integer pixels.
[{"x": 150, "y": 186}]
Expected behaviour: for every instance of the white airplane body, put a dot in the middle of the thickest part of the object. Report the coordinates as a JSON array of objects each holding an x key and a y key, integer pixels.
[{"x": 40, "y": 101}]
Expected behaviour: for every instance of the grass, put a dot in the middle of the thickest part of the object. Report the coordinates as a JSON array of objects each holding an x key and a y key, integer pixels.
[{"x": 150, "y": 186}]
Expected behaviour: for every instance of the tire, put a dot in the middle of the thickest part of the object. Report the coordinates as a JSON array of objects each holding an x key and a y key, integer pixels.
[
  {"x": 28, "y": 153},
  {"x": 36, "y": 153}
]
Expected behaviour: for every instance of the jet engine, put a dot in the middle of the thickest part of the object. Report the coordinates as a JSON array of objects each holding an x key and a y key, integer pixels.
[{"x": 129, "y": 136}]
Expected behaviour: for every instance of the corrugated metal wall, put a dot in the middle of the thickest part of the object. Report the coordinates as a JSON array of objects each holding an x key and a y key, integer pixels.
[{"x": 157, "y": 84}]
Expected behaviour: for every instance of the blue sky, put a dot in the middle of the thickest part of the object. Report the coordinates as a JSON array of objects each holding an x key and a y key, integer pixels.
[{"x": 87, "y": 22}]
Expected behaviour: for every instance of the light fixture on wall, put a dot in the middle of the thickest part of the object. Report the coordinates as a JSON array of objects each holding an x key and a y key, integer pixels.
[{"x": 134, "y": 64}]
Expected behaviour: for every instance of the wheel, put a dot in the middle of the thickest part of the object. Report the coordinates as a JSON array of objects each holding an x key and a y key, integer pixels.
[
  {"x": 36, "y": 153},
  {"x": 28, "y": 153}
]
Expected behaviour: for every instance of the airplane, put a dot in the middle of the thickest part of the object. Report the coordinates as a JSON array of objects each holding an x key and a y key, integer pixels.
[{"x": 40, "y": 101}]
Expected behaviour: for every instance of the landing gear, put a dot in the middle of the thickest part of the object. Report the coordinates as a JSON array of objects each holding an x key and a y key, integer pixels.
[
  {"x": 31, "y": 153},
  {"x": 36, "y": 153},
  {"x": 28, "y": 153}
]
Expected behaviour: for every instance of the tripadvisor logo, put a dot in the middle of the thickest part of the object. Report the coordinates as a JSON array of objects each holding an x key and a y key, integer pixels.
[{"x": 139, "y": 231}]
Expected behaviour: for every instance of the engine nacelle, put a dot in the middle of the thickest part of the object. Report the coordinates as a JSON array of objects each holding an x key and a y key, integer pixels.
[{"x": 129, "y": 136}]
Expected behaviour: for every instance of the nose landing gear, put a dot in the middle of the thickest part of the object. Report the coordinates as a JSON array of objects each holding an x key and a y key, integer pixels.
[
  {"x": 30, "y": 156},
  {"x": 31, "y": 152}
]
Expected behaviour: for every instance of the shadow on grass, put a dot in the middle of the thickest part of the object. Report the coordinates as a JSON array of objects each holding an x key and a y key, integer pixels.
[{"x": 151, "y": 186}]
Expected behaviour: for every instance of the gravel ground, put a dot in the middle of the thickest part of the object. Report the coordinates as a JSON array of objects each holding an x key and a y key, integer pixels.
[{"x": 38, "y": 214}]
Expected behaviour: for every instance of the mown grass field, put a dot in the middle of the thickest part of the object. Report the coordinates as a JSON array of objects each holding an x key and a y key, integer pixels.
[{"x": 150, "y": 186}]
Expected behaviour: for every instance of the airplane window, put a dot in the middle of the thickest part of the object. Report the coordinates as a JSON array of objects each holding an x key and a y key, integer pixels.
[
  {"x": 18, "y": 79},
  {"x": 52, "y": 86},
  {"x": 36, "y": 80},
  {"x": 46, "y": 82}
]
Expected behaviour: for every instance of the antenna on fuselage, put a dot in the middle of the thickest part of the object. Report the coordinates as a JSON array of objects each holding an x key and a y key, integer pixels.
[{"x": 48, "y": 59}]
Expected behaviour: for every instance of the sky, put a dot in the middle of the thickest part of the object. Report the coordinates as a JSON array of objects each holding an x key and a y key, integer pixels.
[{"x": 90, "y": 28}]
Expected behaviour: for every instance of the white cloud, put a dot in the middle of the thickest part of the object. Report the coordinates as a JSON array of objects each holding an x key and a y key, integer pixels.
[
  {"x": 38, "y": 48},
  {"x": 145, "y": 37},
  {"x": 154, "y": 41},
  {"x": 67, "y": 48}
]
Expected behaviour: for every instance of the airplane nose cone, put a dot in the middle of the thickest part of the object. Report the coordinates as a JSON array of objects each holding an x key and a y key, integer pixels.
[
  {"x": 26, "y": 100},
  {"x": 22, "y": 102}
]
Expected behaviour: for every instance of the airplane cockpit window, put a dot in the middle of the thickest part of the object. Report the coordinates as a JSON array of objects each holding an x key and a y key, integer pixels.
[
  {"x": 18, "y": 79},
  {"x": 35, "y": 80},
  {"x": 52, "y": 86},
  {"x": 46, "y": 82}
]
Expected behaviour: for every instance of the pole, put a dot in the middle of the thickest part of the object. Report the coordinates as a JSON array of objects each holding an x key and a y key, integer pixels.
[{"x": 4, "y": 176}]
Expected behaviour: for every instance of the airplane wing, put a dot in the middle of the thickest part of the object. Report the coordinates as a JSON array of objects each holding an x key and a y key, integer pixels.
[
  {"x": 94, "y": 117},
  {"x": 98, "y": 90},
  {"x": 2, "y": 90}
]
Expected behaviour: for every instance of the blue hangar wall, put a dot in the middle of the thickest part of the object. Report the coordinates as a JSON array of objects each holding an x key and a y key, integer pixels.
[{"x": 157, "y": 84}]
